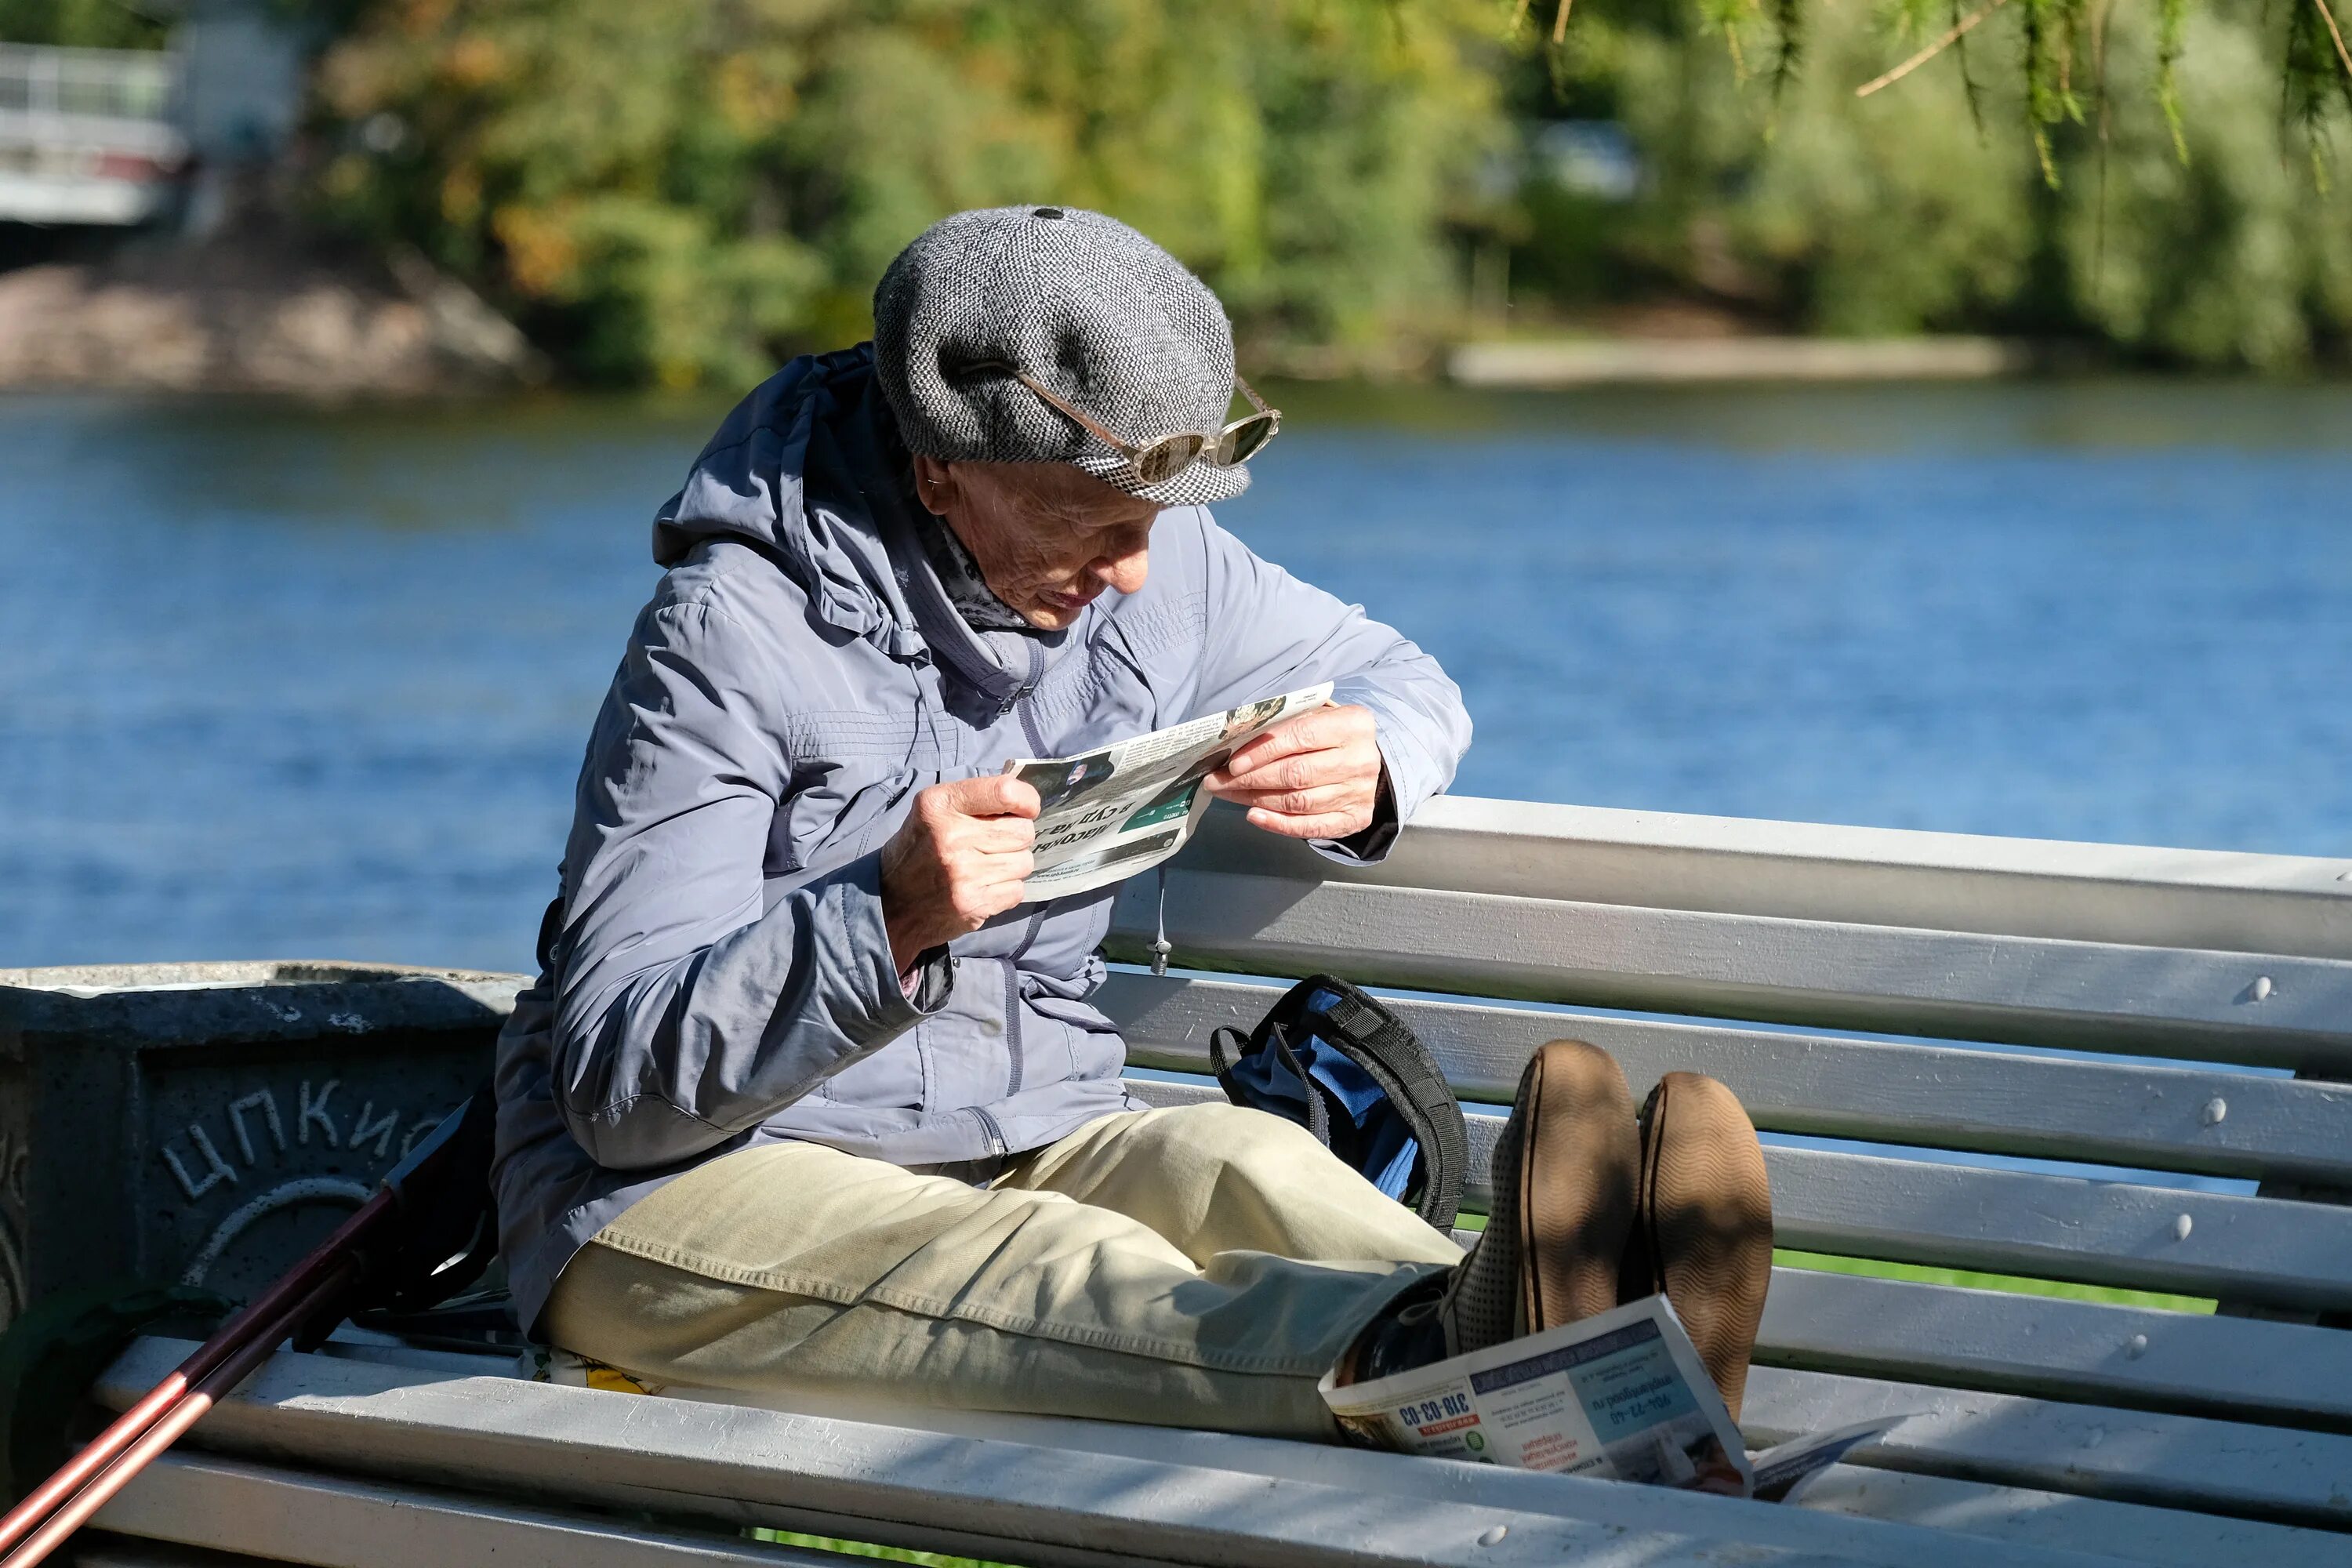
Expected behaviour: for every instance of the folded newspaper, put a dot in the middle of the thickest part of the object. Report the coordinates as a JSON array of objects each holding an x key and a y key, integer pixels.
[
  {"x": 1621, "y": 1396},
  {"x": 1108, "y": 813}
]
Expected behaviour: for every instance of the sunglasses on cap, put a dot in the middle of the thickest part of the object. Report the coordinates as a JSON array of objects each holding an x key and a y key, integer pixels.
[{"x": 1159, "y": 460}]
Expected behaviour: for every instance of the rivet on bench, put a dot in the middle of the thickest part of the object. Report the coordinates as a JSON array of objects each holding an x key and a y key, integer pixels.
[
  {"x": 2181, "y": 1227},
  {"x": 2215, "y": 1110},
  {"x": 1493, "y": 1535},
  {"x": 2135, "y": 1346},
  {"x": 2261, "y": 989}
]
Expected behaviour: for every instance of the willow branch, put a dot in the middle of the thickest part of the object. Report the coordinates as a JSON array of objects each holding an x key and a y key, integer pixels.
[
  {"x": 2333, "y": 31},
  {"x": 1560, "y": 23},
  {"x": 1952, "y": 35}
]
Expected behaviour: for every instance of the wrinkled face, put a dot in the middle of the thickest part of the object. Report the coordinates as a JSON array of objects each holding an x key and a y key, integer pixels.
[{"x": 1047, "y": 538}]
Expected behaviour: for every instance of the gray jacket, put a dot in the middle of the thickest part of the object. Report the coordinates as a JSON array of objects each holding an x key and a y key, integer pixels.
[{"x": 716, "y": 972}]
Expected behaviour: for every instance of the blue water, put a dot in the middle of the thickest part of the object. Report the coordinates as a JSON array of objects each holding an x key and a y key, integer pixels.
[{"x": 277, "y": 681}]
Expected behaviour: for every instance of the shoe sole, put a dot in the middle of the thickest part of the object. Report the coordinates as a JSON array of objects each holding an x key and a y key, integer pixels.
[
  {"x": 1704, "y": 1223},
  {"x": 1578, "y": 1181}
]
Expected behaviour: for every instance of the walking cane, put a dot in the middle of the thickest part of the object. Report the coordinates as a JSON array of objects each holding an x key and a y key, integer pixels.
[{"x": 425, "y": 1235}]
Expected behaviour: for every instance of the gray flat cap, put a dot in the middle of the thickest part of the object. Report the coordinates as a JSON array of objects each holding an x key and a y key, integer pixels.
[{"x": 1086, "y": 305}]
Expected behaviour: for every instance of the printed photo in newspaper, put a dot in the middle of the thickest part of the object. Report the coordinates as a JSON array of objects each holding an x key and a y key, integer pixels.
[{"x": 1108, "y": 813}]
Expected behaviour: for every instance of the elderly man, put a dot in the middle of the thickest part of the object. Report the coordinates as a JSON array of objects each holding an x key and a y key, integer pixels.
[{"x": 807, "y": 1095}]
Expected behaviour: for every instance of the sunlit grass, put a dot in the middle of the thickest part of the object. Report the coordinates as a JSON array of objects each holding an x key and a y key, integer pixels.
[
  {"x": 860, "y": 1548},
  {"x": 1919, "y": 1274},
  {"x": 1970, "y": 1279}
]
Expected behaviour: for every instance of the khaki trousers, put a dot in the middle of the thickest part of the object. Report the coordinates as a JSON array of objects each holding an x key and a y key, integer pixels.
[{"x": 1201, "y": 1266}]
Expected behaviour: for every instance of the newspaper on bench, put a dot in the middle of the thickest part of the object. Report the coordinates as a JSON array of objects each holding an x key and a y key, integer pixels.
[
  {"x": 1105, "y": 815},
  {"x": 1621, "y": 1396}
]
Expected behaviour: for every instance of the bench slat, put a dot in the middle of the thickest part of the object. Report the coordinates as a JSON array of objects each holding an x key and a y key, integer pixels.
[
  {"x": 2100, "y": 1233},
  {"x": 2198, "y": 1004},
  {"x": 2131, "y": 894},
  {"x": 2169, "y": 1537},
  {"x": 330, "y": 1523},
  {"x": 2235, "y": 1368},
  {"x": 2170, "y": 1461},
  {"x": 2001, "y": 1513},
  {"x": 2013, "y": 1222},
  {"x": 1986, "y": 1101},
  {"x": 1019, "y": 1502},
  {"x": 223, "y": 1505}
]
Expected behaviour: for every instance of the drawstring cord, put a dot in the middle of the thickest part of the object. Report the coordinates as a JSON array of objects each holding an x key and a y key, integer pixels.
[{"x": 1160, "y": 947}]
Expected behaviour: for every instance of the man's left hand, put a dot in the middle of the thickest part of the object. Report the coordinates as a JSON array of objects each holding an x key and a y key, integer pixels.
[{"x": 1313, "y": 776}]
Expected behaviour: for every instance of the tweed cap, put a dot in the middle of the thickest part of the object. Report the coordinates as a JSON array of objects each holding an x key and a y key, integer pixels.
[{"x": 1083, "y": 303}]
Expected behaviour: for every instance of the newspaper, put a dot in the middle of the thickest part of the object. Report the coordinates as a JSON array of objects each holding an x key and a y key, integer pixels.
[
  {"x": 1781, "y": 1473},
  {"x": 1621, "y": 1396},
  {"x": 1108, "y": 813}
]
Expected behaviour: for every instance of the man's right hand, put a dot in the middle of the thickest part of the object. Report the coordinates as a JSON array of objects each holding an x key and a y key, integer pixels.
[{"x": 957, "y": 861}]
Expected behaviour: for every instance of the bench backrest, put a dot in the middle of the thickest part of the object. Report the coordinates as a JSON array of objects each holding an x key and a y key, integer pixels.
[{"x": 1953, "y": 997}]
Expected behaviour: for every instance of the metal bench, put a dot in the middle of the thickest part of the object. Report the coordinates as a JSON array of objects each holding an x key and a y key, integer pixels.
[{"x": 1820, "y": 972}]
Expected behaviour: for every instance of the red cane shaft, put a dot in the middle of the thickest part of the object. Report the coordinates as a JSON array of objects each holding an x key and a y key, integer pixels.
[
  {"x": 37, "y": 1504},
  {"x": 232, "y": 1370},
  {"x": 226, "y": 1341}
]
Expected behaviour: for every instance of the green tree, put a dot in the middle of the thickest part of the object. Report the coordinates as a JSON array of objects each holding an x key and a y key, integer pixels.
[
  {"x": 2230, "y": 255},
  {"x": 684, "y": 192},
  {"x": 2167, "y": 210},
  {"x": 81, "y": 24},
  {"x": 1891, "y": 214}
]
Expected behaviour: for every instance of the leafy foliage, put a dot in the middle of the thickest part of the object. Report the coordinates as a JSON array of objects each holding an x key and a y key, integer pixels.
[
  {"x": 682, "y": 191},
  {"x": 2128, "y": 188},
  {"x": 2058, "y": 43},
  {"x": 82, "y": 24},
  {"x": 1885, "y": 214},
  {"x": 2231, "y": 255}
]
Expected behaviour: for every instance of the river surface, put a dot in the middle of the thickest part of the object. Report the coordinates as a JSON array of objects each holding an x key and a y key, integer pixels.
[{"x": 277, "y": 681}]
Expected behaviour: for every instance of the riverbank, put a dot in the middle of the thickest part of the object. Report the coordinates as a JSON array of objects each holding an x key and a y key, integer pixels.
[
  {"x": 1619, "y": 362},
  {"x": 268, "y": 309},
  {"x": 254, "y": 312}
]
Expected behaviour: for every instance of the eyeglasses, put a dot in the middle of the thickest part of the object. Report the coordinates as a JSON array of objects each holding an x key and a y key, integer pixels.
[{"x": 1160, "y": 460}]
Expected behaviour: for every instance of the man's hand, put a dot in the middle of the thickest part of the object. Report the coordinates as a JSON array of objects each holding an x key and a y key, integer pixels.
[
  {"x": 1313, "y": 776},
  {"x": 958, "y": 861}
]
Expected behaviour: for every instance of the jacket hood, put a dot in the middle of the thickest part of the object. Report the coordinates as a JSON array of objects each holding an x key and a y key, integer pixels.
[
  {"x": 810, "y": 470},
  {"x": 806, "y": 469}
]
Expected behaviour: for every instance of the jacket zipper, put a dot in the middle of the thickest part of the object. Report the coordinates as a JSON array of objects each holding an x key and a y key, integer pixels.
[
  {"x": 997, "y": 1143},
  {"x": 1013, "y": 1045},
  {"x": 1013, "y": 1048},
  {"x": 1021, "y": 699}
]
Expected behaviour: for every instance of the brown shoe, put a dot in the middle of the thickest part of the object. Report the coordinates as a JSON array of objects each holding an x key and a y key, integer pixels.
[
  {"x": 1565, "y": 1173},
  {"x": 1702, "y": 1226}
]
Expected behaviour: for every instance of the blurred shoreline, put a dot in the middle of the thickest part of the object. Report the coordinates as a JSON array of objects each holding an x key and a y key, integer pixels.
[
  {"x": 261, "y": 310},
  {"x": 266, "y": 309}
]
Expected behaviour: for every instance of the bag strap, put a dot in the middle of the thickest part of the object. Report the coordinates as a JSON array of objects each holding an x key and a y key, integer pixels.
[
  {"x": 1387, "y": 1048},
  {"x": 1220, "y": 1040},
  {"x": 1319, "y": 1115},
  {"x": 1227, "y": 1038}
]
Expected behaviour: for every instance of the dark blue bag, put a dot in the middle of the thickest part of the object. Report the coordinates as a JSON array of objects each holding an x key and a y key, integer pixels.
[{"x": 1334, "y": 1060}]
